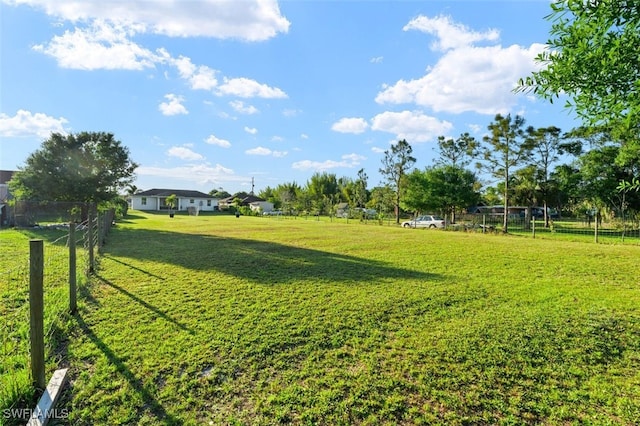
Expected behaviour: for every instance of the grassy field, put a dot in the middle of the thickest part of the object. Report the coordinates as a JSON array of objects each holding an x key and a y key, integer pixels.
[{"x": 219, "y": 320}]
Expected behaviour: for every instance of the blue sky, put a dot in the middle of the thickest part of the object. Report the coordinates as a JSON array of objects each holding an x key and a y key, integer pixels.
[{"x": 208, "y": 94}]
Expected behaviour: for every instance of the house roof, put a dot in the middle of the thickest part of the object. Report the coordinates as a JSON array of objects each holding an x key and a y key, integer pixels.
[
  {"x": 243, "y": 201},
  {"x": 5, "y": 176},
  {"x": 182, "y": 193}
]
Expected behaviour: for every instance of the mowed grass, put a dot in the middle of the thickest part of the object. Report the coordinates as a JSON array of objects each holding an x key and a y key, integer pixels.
[{"x": 219, "y": 320}]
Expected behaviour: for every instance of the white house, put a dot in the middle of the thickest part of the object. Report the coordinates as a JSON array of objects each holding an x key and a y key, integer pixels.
[
  {"x": 261, "y": 206},
  {"x": 156, "y": 199}
]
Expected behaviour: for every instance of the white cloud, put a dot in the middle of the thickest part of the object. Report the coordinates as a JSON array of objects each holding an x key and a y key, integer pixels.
[
  {"x": 184, "y": 153},
  {"x": 250, "y": 20},
  {"x": 475, "y": 128},
  {"x": 377, "y": 60},
  {"x": 414, "y": 126},
  {"x": 355, "y": 159},
  {"x": 466, "y": 77},
  {"x": 265, "y": 152},
  {"x": 478, "y": 79},
  {"x": 350, "y": 125},
  {"x": 240, "y": 107},
  {"x": 173, "y": 106},
  {"x": 26, "y": 123},
  {"x": 304, "y": 136},
  {"x": 213, "y": 140},
  {"x": 100, "y": 46},
  {"x": 449, "y": 34},
  {"x": 348, "y": 161},
  {"x": 277, "y": 139},
  {"x": 247, "y": 88},
  {"x": 291, "y": 112},
  {"x": 197, "y": 173},
  {"x": 199, "y": 77},
  {"x": 250, "y": 130},
  {"x": 377, "y": 150}
]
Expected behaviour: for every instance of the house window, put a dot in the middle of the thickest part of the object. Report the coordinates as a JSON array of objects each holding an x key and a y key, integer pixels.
[
  {"x": 191, "y": 201},
  {"x": 144, "y": 201},
  {"x": 208, "y": 203}
]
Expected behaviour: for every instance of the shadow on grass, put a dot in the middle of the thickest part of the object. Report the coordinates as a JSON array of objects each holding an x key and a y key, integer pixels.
[
  {"x": 151, "y": 274},
  {"x": 147, "y": 396},
  {"x": 130, "y": 218},
  {"x": 258, "y": 261},
  {"x": 147, "y": 305}
]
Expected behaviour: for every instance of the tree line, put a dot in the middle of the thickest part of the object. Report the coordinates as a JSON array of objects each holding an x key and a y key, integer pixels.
[{"x": 573, "y": 172}]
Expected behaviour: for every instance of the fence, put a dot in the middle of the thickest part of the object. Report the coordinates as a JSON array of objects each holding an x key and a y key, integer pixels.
[
  {"x": 609, "y": 231},
  {"x": 41, "y": 267},
  {"x": 582, "y": 229}
]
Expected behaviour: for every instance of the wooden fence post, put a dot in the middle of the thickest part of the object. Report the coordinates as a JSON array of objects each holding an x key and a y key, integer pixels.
[
  {"x": 596, "y": 225},
  {"x": 534, "y": 227},
  {"x": 72, "y": 269},
  {"x": 36, "y": 311},
  {"x": 90, "y": 240}
]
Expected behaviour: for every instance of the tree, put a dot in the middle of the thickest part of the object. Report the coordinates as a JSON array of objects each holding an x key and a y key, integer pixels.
[
  {"x": 395, "y": 165},
  {"x": 219, "y": 193},
  {"x": 324, "y": 191},
  {"x": 546, "y": 146},
  {"x": 565, "y": 191},
  {"x": 445, "y": 189},
  {"x": 87, "y": 166},
  {"x": 457, "y": 152},
  {"x": 527, "y": 189},
  {"x": 601, "y": 177},
  {"x": 382, "y": 199},
  {"x": 592, "y": 57},
  {"x": 288, "y": 195},
  {"x": 361, "y": 195},
  {"x": 504, "y": 149},
  {"x": 172, "y": 202}
]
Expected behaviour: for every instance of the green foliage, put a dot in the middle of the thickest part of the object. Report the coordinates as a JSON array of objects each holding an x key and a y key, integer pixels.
[
  {"x": 171, "y": 201},
  {"x": 443, "y": 189},
  {"x": 219, "y": 193},
  {"x": 89, "y": 167},
  {"x": 323, "y": 191},
  {"x": 458, "y": 152},
  {"x": 601, "y": 178},
  {"x": 120, "y": 205},
  {"x": 633, "y": 185},
  {"x": 592, "y": 58}
]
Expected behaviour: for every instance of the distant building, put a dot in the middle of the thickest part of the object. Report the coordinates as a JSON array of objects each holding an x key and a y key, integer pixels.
[
  {"x": 156, "y": 200},
  {"x": 5, "y": 196},
  {"x": 253, "y": 202}
]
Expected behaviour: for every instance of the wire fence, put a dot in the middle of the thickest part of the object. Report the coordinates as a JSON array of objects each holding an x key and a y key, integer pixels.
[
  {"x": 610, "y": 231},
  {"x": 580, "y": 229},
  {"x": 16, "y": 381}
]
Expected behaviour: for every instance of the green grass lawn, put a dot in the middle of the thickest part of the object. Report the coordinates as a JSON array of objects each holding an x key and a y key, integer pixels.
[{"x": 219, "y": 320}]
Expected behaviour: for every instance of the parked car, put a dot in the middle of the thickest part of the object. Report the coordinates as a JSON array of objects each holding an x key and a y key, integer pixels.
[{"x": 426, "y": 221}]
